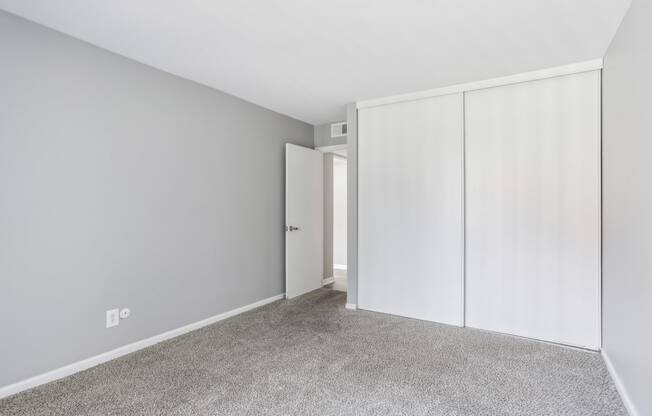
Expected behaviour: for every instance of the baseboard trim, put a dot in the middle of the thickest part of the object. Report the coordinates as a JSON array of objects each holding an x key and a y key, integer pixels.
[
  {"x": 627, "y": 401},
  {"x": 327, "y": 280},
  {"x": 87, "y": 363},
  {"x": 339, "y": 266},
  {"x": 351, "y": 306}
]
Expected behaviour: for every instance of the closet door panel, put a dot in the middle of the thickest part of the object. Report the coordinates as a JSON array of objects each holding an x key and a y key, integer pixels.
[
  {"x": 410, "y": 240},
  {"x": 533, "y": 209}
]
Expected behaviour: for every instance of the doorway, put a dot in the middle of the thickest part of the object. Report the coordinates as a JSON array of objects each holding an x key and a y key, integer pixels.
[
  {"x": 316, "y": 219},
  {"x": 335, "y": 219},
  {"x": 339, "y": 221}
]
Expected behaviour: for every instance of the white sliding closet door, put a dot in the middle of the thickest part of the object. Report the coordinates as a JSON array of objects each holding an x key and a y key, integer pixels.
[
  {"x": 410, "y": 166},
  {"x": 533, "y": 209}
]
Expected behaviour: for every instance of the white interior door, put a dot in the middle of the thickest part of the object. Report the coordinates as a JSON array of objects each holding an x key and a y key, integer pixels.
[
  {"x": 533, "y": 209},
  {"x": 304, "y": 220},
  {"x": 410, "y": 230}
]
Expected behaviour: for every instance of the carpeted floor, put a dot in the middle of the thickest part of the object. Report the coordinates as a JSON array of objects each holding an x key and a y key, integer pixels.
[{"x": 310, "y": 356}]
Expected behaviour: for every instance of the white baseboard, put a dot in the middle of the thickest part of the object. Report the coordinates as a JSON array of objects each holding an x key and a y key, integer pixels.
[
  {"x": 351, "y": 306},
  {"x": 627, "y": 401},
  {"x": 327, "y": 280},
  {"x": 339, "y": 266},
  {"x": 125, "y": 349}
]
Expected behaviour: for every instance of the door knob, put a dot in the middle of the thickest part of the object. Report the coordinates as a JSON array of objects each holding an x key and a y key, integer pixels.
[{"x": 291, "y": 228}]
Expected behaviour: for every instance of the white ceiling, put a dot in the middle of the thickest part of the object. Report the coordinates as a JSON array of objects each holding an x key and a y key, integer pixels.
[{"x": 308, "y": 58}]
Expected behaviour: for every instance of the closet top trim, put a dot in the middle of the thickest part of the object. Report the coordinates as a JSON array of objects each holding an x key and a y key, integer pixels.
[{"x": 487, "y": 83}]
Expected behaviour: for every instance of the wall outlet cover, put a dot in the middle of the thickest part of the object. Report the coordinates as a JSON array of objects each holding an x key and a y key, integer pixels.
[{"x": 112, "y": 318}]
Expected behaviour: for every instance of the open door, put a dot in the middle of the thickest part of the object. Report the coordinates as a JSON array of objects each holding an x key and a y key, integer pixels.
[{"x": 304, "y": 220}]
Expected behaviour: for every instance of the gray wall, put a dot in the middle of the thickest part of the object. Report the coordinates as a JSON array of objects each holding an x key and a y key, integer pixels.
[
  {"x": 627, "y": 204},
  {"x": 323, "y": 136},
  {"x": 121, "y": 185}
]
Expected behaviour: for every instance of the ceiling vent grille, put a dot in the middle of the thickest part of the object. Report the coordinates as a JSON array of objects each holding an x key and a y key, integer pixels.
[{"x": 338, "y": 129}]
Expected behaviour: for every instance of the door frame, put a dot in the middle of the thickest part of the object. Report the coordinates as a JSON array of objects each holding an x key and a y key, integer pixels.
[{"x": 332, "y": 148}]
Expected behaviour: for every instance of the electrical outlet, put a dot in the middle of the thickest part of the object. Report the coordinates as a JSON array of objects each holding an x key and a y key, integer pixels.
[
  {"x": 125, "y": 313},
  {"x": 112, "y": 318}
]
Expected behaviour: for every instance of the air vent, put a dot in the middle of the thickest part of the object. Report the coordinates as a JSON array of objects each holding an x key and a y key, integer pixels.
[{"x": 338, "y": 129}]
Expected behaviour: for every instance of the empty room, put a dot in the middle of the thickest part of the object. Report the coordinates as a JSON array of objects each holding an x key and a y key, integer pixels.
[{"x": 360, "y": 207}]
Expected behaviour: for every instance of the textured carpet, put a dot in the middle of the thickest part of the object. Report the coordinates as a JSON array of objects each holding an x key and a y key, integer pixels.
[{"x": 310, "y": 356}]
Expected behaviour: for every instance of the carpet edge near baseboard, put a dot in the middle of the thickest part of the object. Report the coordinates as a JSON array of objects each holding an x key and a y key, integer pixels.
[
  {"x": 622, "y": 391},
  {"x": 78, "y": 366}
]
